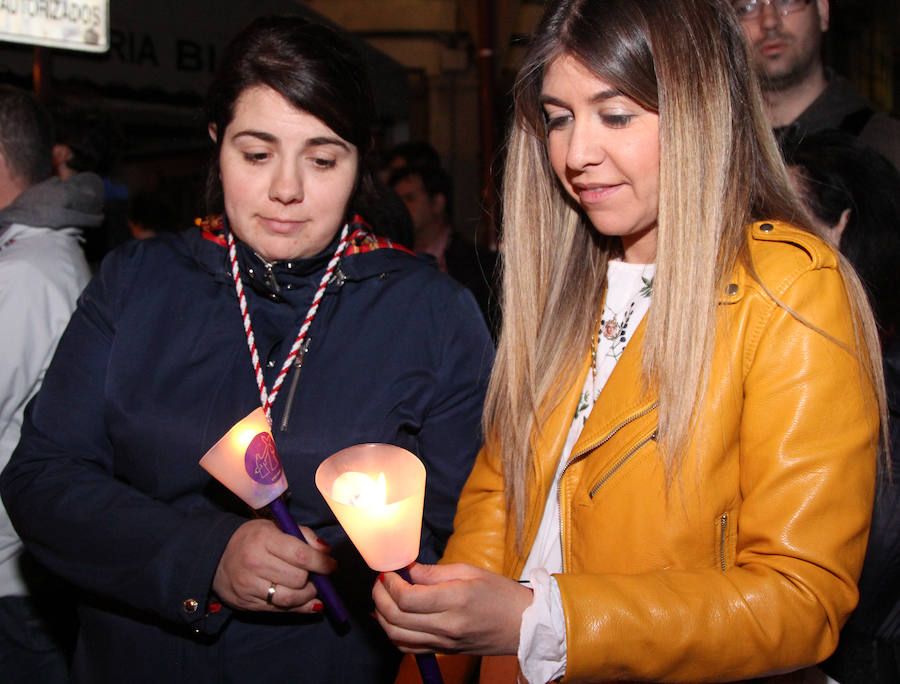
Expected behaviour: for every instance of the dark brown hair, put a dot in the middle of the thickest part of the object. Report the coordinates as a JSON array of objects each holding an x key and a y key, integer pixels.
[
  {"x": 26, "y": 135},
  {"x": 314, "y": 68}
]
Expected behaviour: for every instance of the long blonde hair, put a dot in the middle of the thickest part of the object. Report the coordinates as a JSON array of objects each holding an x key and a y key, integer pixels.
[{"x": 720, "y": 169}]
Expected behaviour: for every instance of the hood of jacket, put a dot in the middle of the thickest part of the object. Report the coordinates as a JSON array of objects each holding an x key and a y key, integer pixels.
[{"x": 54, "y": 203}]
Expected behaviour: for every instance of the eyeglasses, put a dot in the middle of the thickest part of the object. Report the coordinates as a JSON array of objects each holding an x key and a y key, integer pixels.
[{"x": 750, "y": 9}]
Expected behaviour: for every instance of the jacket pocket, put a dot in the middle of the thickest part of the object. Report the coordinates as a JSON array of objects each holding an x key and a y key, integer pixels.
[{"x": 726, "y": 537}]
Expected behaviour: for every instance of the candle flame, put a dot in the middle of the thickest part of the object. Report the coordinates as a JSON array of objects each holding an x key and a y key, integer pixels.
[
  {"x": 360, "y": 490},
  {"x": 243, "y": 437}
]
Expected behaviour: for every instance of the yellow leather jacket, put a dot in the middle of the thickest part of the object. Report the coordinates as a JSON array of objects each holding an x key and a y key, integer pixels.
[{"x": 746, "y": 565}]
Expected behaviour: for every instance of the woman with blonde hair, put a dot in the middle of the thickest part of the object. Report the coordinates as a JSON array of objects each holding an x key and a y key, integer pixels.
[{"x": 683, "y": 419}]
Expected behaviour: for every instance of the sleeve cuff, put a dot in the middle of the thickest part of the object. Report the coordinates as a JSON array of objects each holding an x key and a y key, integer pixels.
[{"x": 542, "y": 636}]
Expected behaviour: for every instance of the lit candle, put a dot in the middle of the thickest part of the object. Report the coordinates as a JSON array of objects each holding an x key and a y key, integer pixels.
[
  {"x": 246, "y": 461},
  {"x": 377, "y": 493}
]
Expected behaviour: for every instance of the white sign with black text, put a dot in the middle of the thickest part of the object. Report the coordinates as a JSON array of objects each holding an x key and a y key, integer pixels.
[{"x": 69, "y": 24}]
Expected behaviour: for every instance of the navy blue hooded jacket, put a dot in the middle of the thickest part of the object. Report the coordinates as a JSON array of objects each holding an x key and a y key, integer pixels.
[{"x": 105, "y": 486}]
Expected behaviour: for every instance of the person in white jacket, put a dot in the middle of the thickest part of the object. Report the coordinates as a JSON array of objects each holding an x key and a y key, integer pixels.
[{"x": 42, "y": 272}]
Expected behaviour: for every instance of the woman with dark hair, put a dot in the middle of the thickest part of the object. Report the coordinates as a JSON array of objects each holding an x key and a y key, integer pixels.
[
  {"x": 178, "y": 582},
  {"x": 853, "y": 195},
  {"x": 665, "y": 492}
]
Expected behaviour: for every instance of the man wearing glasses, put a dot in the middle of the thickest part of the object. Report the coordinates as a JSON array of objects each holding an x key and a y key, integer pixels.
[
  {"x": 785, "y": 37},
  {"x": 804, "y": 97}
]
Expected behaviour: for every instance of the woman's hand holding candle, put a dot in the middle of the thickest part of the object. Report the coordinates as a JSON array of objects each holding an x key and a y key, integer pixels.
[
  {"x": 259, "y": 556},
  {"x": 451, "y": 609}
]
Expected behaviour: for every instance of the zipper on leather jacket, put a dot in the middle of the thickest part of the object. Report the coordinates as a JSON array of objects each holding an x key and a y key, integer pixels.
[
  {"x": 298, "y": 364},
  {"x": 581, "y": 454},
  {"x": 723, "y": 528},
  {"x": 622, "y": 461}
]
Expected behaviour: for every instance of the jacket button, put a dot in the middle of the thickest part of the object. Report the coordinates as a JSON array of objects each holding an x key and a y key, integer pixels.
[
  {"x": 191, "y": 606},
  {"x": 731, "y": 289},
  {"x": 767, "y": 227}
]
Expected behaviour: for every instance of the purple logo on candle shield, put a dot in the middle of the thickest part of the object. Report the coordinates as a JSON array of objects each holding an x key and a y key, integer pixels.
[{"x": 261, "y": 459}]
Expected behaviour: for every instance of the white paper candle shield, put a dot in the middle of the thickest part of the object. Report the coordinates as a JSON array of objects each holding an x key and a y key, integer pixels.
[
  {"x": 386, "y": 534},
  {"x": 245, "y": 460}
]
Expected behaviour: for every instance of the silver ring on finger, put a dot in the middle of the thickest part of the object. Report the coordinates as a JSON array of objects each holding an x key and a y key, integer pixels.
[{"x": 270, "y": 594}]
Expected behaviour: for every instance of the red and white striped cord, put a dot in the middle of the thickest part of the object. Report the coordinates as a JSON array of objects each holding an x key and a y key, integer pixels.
[{"x": 268, "y": 398}]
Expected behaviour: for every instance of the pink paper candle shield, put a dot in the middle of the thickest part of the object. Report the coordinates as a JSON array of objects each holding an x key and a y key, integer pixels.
[
  {"x": 245, "y": 460},
  {"x": 377, "y": 493}
]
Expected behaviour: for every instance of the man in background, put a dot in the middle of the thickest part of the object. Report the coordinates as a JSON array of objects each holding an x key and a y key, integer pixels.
[
  {"x": 88, "y": 139},
  {"x": 42, "y": 272},
  {"x": 427, "y": 192},
  {"x": 785, "y": 37}
]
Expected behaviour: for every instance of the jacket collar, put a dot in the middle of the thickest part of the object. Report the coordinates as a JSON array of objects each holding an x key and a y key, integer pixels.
[
  {"x": 611, "y": 410},
  {"x": 630, "y": 400},
  {"x": 367, "y": 256},
  {"x": 614, "y": 410}
]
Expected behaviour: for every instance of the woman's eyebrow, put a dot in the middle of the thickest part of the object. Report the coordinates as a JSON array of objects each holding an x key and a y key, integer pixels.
[
  {"x": 311, "y": 142},
  {"x": 607, "y": 94},
  {"x": 327, "y": 140},
  {"x": 261, "y": 135},
  {"x": 600, "y": 96},
  {"x": 549, "y": 99}
]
